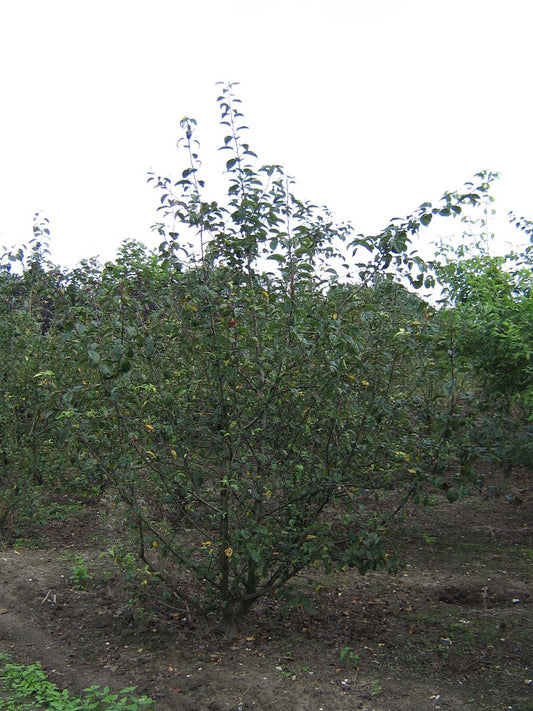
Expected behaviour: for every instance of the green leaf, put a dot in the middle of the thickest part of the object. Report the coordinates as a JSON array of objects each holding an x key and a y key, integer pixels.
[{"x": 280, "y": 258}]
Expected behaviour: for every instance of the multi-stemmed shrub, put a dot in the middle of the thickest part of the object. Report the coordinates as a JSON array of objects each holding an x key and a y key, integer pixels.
[
  {"x": 263, "y": 393},
  {"x": 255, "y": 389}
]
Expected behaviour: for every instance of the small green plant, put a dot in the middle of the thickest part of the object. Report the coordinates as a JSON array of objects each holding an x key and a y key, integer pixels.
[
  {"x": 29, "y": 689},
  {"x": 80, "y": 573},
  {"x": 126, "y": 562},
  {"x": 444, "y": 647},
  {"x": 349, "y": 657},
  {"x": 27, "y": 543},
  {"x": 139, "y": 578},
  {"x": 376, "y": 688}
]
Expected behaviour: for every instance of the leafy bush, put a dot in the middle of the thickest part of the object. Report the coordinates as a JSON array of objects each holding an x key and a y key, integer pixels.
[
  {"x": 248, "y": 404},
  {"x": 490, "y": 299},
  {"x": 262, "y": 392}
]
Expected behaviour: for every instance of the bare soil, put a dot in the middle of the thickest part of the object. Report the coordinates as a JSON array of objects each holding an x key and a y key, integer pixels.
[{"x": 452, "y": 630}]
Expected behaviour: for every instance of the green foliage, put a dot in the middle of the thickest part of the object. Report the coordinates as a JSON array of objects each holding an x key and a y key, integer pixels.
[
  {"x": 28, "y": 688},
  {"x": 80, "y": 573},
  {"x": 490, "y": 299},
  {"x": 349, "y": 657},
  {"x": 27, "y": 387},
  {"x": 261, "y": 392},
  {"x": 261, "y": 410}
]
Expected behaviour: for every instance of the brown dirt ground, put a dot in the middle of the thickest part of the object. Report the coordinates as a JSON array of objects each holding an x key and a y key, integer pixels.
[{"x": 452, "y": 630}]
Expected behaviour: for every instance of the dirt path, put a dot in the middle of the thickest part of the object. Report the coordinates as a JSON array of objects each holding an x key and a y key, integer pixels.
[{"x": 31, "y": 596}]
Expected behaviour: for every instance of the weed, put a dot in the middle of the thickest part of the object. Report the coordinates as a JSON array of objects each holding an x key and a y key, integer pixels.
[
  {"x": 127, "y": 562},
  {"x": 349, "y": 657},
  {"x": 28, "y": 543},
  {"x": 80, "y": 573},
  {"x": 376, "y": 688},
  {"x": 29, "y": 689}
]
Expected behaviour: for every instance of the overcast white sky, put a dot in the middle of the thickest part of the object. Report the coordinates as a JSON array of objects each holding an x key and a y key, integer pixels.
[{"x": 373, "y": 106}]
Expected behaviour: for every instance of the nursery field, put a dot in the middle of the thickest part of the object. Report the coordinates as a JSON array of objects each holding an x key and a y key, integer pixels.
[{"x": 453, "y": 629}]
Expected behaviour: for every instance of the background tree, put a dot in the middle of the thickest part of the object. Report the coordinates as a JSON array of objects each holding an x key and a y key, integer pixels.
[
  {"x": 490, "y": 300},
  {"x": 30, "y": 297}
]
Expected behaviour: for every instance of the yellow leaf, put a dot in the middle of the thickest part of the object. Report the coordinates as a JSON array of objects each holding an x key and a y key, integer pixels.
[
  {"x": 152, "y": 454},
  {"x": 148, "y": 427},
  {"x": 335, "y": 316},
  {"x": 402, "y": 455},
  {"x": 228, "y": 552}
]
